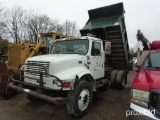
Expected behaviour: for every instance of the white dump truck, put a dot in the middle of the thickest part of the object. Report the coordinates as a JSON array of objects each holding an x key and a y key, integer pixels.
[{"x": 76, "y": 68}]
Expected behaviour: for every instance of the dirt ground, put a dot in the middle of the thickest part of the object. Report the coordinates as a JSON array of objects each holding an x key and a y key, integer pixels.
[{"x": 112, "y": 105}]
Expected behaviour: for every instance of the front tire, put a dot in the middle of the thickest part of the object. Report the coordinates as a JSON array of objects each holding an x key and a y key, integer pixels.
[{"x": 79, "y": 99}]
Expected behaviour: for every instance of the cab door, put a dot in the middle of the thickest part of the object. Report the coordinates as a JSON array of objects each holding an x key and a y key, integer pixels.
[{"x": 97, "y": 60}]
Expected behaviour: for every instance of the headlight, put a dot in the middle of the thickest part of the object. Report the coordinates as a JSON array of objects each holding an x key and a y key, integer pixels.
[{"x": 140, "y": 97}]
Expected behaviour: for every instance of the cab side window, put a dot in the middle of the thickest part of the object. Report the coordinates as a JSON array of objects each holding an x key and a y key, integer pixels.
[{"x": 96, "y": 49}]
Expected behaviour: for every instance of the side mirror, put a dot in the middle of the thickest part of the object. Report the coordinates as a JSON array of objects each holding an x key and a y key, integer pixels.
[{"x": 107, "y": 47}]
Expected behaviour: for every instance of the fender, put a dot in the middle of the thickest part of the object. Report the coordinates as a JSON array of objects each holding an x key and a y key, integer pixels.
[
  {"x": 75, "y": 74},
  {"x": 70, "y": 74},
  {"x": 83, "y": 73}
]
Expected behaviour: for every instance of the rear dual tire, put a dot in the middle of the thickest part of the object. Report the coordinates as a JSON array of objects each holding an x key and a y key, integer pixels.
[
  {"x": 113, "y": 78},
  {"x": 121, "y": 80},
  {"x": 118, "y": 79}
]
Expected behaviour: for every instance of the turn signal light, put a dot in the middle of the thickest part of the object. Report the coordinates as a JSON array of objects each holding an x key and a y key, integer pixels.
[
  {"x": 88, "y": 62},
  {"x": 70, "y": 38},
  {"x": 66, "y": 84},
  {"x": 132, "y": 99}
]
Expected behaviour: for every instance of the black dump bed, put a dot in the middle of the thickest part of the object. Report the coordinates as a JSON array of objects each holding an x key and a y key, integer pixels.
[{"x": 108, "y": 24}]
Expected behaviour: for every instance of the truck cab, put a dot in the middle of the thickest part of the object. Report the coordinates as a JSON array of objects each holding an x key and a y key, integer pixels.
[
  {"x": 69, "y": 58},
  {"x": 145, "y": 92}
]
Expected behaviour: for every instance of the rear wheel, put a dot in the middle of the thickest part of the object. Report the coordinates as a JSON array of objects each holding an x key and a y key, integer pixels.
[
  {"x": 121, "y": 80},
  {"x": 113, "y": 78},
  {"x": 79, "y": 99}
]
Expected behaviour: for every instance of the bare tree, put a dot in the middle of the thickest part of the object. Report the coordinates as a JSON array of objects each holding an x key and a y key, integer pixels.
[
  {"x": 1, "y": 22},
  {"x": 13, "y": 21},
  {"x": 38, "y": 24},
  {"x": 1, "y": 8},
  {"x": 3, "y": 47},
  {"x": 70, "y": 28},
  {"x": 20, "y": 24}
]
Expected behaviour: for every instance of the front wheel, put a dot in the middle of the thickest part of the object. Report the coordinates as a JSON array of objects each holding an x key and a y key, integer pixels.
[{"x": 79, "y": 99}]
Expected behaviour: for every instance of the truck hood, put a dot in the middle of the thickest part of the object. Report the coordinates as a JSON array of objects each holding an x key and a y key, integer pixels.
[
  {"x": 147, "y": 80},
  {"x": 58, "y": 64},
  {"x": 52, "y": 57}
]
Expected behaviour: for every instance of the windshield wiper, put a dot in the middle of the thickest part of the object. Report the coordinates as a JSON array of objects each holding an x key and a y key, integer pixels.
[
  {"x": 58, "y": 51},
  {"x": 69, "y": 50},
  {"x": 156, "y": 67}
]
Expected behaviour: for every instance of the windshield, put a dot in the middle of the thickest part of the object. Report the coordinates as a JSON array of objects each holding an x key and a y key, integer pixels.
[
  {"x": 152, "y": 61},
  {"x": 77, "y": 46},
  {"x": 47, "y": 39}
]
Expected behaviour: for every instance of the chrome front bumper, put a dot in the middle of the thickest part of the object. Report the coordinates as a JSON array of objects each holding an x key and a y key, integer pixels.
[{"x": 140, "y": 113}]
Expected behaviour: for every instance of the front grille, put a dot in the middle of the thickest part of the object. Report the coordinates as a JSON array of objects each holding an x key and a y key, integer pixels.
[
  {"x": 155, "y": 101},
  {"x": 37, "y": 66}
]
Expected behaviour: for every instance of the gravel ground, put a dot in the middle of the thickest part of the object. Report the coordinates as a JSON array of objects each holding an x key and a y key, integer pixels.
[{"x": 112, "y": 105}]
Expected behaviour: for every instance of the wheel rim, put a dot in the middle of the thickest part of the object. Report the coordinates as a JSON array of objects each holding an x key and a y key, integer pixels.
[{"x": 84, "y": 99}]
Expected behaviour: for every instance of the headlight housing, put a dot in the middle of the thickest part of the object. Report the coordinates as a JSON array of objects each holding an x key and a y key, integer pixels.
[
  {"x": 65, "y": 83},
  {"x": 140, "y": 97}
]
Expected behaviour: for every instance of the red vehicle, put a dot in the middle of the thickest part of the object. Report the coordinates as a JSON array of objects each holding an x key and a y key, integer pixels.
[{"x": 145, "y": 92}]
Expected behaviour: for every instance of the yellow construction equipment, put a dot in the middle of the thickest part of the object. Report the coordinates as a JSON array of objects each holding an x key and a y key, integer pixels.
[{"x": 19, "y": 52}]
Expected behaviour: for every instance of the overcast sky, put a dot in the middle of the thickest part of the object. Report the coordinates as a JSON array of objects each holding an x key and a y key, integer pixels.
[{"x": 140, "y": 14}]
